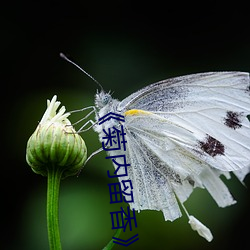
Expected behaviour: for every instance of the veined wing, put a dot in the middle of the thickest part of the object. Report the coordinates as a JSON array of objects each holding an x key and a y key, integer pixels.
[
  {"x": 211, "y": 106},
  {"x": 162, "y": 168},
  {"x": 174, "y": 94}
]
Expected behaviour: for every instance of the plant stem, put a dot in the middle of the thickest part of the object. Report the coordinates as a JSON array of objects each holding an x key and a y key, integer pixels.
[
  {"x": 111, "y": 244},
  {"x": 54, "y": 177}
]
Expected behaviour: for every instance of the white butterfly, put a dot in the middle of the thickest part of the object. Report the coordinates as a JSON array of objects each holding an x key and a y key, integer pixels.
[{"x": 183, "y": 133}]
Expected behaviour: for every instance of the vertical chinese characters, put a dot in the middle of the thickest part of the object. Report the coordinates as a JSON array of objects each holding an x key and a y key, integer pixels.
[{"x": 114, "y": 140}]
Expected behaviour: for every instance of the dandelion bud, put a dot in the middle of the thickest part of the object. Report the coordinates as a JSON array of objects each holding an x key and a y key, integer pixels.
[{"x": 55, "y": 143}]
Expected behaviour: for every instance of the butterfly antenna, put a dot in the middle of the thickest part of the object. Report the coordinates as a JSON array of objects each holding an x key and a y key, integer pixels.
[{"x": 90, "y": 76}]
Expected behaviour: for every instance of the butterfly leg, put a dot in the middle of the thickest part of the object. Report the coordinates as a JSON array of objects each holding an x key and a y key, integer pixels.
[
  {"x": 91, "y": 155},
  {"x": 83, "y": 127}
]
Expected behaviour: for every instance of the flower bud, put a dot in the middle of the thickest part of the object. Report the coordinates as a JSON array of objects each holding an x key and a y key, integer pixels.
[{"x": 55, "y": 144}]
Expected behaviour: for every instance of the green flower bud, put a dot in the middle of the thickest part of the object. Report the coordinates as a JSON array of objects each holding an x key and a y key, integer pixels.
[{"x": 55, "y": 144}]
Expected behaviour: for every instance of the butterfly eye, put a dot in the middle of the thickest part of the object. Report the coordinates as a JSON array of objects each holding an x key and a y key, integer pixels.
[
  {"x": 106, "y": 99},
  {"x": 102, "y": 99}
]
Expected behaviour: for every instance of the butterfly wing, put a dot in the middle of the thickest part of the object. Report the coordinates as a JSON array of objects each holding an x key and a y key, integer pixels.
[
  {"x": 212, "y": 106},
  {"x": 183, "y": 133},
  {"x": 162, "y": 168}
]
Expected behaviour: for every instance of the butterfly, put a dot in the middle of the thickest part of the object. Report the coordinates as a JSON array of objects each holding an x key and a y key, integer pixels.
[{"x": 182, "y": 133}]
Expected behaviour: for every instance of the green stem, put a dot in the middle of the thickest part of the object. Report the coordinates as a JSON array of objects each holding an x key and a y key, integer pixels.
[
  {"x": 54, "y": 177},
  {"x": 111, "y": 244}
]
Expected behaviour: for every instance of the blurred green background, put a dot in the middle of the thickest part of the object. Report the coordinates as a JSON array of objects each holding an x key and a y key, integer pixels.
[{"x": 125, "y": 47}]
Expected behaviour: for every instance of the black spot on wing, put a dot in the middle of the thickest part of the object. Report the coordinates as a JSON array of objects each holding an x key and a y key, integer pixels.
[
  {"x": 212, "y": 146},
  {"x": 248, "y": 89},
  {"x": 233, "y": 119},
  {"x": 190, "y": 181}
]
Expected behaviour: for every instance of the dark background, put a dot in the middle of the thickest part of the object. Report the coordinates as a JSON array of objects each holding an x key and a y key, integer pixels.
[{"x": 125, "y": 47}]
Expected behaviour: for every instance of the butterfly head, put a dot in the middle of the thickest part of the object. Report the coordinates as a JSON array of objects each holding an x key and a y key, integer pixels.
[
  {"x": 102, "y": 99},
  {"x": 105, "y": 104}
]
